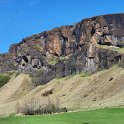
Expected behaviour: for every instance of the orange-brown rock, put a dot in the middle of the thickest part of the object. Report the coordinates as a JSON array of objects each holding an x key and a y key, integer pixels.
[{"x": 68, "y": 49}]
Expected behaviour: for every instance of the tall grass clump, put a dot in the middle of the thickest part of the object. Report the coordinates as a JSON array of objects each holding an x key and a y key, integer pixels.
[{"x": 4, "y": 78}]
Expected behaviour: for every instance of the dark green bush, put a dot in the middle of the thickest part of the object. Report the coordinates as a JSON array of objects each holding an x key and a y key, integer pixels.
[{"x": 4, "y": 79}]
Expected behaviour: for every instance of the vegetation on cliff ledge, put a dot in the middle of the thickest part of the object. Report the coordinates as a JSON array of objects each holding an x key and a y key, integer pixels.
[{"x": 113, "y": 48}]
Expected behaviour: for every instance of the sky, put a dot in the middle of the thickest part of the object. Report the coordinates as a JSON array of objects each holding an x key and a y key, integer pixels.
[{"x": 22, "y": 18}]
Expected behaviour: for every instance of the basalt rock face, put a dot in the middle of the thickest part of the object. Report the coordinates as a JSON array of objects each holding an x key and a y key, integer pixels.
[
  {"x": 67, "y": 49},
  {"x": 7, "y": 63}
]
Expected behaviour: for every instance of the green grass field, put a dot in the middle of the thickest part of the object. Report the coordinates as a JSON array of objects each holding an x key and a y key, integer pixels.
[{"x": 100, "y": 116}]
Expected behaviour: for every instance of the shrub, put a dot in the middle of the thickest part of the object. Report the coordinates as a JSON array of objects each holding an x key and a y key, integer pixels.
[
  {"x": 48, "y": 109},
  {"x": 53, "y": 61},
  {"x": 38, "y": 48},
  {"x": 34, "y": 107},
  {"x": 84, "y": 74},
  {"x": 4, "y": 78}
]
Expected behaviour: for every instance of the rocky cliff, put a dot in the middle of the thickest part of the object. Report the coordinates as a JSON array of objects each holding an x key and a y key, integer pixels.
[{"x": 68, "y": 49}]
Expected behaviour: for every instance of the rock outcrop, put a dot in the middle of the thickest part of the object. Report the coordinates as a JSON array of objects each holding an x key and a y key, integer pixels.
[{"x": 67, "y": 49}]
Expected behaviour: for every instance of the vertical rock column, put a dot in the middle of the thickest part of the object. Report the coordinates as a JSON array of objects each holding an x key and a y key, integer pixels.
[{"x": 92, "y": 59}]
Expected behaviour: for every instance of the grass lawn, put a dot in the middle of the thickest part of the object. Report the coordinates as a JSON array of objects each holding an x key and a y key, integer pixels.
[{"x": 100, "y": 116}]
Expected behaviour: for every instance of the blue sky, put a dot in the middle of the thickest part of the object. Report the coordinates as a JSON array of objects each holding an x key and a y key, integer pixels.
[{"x": 22, "y": 18}]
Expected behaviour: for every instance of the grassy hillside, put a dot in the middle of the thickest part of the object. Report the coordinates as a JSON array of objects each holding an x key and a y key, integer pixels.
[
  {"x": 100, "y": 116},
  {"x": 102, "y": 89},
  {"x": 105, "y": 88},
  {"x": 16, "y": 88}
]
